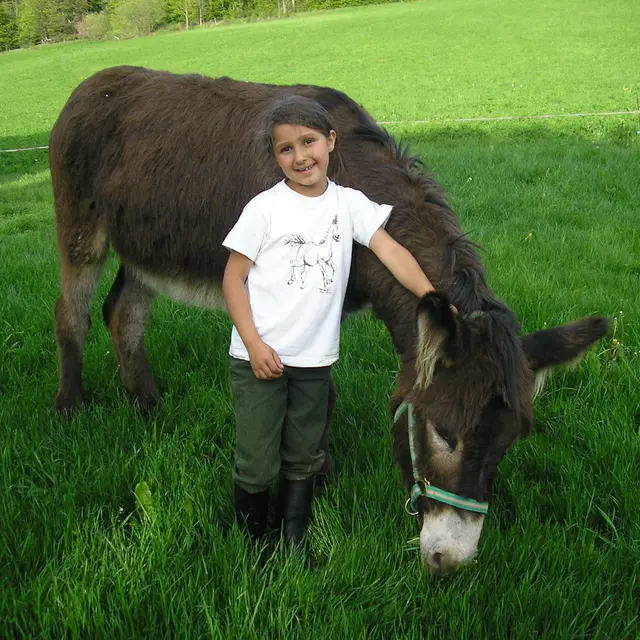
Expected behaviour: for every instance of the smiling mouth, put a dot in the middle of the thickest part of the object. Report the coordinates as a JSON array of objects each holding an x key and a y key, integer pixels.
[{"x": 305, "y": 169}]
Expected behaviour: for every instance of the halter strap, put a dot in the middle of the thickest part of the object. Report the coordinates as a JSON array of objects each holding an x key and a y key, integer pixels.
[{"x": 421, "y": 486}]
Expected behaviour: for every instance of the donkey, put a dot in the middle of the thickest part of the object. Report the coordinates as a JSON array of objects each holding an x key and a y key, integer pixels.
[{"x": 159, "y": 167}]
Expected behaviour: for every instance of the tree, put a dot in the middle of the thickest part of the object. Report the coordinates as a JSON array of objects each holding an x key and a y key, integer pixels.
[
  {"x": 184, "y": 11},
  {"x": 49, "y": 20},
  {"x": 215, "y": 9},
  {"x": 9, "y": 25}
]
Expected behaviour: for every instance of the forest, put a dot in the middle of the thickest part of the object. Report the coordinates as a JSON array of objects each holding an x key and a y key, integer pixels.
[{"x": 26, "y": 23}]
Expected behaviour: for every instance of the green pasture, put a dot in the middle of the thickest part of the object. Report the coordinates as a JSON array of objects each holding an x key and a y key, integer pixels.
[{"x": 553, "y": 202}]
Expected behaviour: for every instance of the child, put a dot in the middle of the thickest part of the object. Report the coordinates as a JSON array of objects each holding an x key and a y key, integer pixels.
[{"x": 284, "y": 286}]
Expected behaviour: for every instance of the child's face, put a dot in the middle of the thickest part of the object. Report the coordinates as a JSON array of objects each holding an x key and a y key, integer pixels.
[{"x": 303, "y": 156}]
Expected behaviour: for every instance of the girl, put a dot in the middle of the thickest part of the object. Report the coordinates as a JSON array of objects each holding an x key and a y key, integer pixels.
[{"x": 284, "y": 286}]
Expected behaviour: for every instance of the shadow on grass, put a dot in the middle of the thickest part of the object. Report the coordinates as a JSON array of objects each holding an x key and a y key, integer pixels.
[
  {"x": 26, "y": 202},
  {"x": 40, "y": 139}
]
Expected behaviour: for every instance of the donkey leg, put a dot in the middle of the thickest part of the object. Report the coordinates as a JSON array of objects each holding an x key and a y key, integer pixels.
[
  {"x": 72, "y": 320},
  {"x": 126, "y": 312}
]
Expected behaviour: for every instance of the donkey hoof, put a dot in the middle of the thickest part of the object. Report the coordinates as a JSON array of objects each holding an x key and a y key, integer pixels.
[
  {"x": 148, "y": 401},
  {"x": 68, "y": 403}
]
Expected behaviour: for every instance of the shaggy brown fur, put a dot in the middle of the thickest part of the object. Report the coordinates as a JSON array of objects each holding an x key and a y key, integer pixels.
[{"x": 160, "y": 166}]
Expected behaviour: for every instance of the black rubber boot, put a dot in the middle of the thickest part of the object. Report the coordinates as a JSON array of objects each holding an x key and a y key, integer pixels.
[
  {"x": 251, "y": 511},
  {"x": 295, "y": 498}
]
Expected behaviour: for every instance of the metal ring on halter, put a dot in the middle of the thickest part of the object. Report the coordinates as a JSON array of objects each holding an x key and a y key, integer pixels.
[
  {"x": 417, "y": 492},
  {"x": 406, "y": 508}
]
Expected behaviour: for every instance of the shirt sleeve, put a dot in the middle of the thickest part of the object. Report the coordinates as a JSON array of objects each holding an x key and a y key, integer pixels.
[
  {"x": 249, "y": 233},
  {"x": 366, "y": 216}
]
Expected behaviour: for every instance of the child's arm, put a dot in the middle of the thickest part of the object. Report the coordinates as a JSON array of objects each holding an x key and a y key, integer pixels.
[
  {"x": 400, "y": 262},
  {"x": 263, "y": 359}
]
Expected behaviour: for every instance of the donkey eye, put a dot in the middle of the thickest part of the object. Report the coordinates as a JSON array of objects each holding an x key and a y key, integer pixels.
[{"x": 452, "y": 443}]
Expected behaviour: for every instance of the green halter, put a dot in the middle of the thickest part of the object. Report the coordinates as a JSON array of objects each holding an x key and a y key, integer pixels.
[{"x": 422, "y": 487}]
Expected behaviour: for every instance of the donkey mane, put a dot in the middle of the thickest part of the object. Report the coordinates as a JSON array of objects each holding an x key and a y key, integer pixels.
[
  {"x": 409, "y": 164},
  {"x": 466, "y": 282}
]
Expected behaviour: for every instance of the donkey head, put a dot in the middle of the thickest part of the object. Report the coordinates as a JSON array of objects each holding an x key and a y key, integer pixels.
[{"x": 469, "y": 386}]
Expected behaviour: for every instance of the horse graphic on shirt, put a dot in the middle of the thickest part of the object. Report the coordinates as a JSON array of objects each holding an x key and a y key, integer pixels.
[{"x": 314, "y": 254}]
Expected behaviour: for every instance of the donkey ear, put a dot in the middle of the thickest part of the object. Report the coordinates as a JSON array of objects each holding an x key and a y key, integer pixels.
[
  {"x": 436, "y": 325},
  {"x": 561, "y": 345},
  {"x": 552, "y": 347}
]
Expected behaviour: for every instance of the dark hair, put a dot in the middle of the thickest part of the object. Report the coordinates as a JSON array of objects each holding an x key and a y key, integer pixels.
[
  {"x": 297, "y": 110},
  {"x": 306, "y": 113}
]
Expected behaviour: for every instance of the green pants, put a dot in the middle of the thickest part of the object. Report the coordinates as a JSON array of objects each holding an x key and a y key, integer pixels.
[{"x": 279, "y": 424}]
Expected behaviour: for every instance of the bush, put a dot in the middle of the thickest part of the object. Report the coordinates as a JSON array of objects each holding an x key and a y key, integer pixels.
[
  {"x": 138, "y": 17},
  {"x": 94, "y": 26}
]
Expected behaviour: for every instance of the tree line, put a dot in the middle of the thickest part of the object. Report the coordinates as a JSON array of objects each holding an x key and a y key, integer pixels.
[{"x": 29, "y": 22}]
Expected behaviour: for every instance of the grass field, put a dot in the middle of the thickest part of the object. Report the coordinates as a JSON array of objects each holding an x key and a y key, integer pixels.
[{"x": 553, "y": 202}]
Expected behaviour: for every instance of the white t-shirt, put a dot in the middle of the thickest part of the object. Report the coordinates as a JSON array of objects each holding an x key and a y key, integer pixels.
[{"x": 301, "y": 252}]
